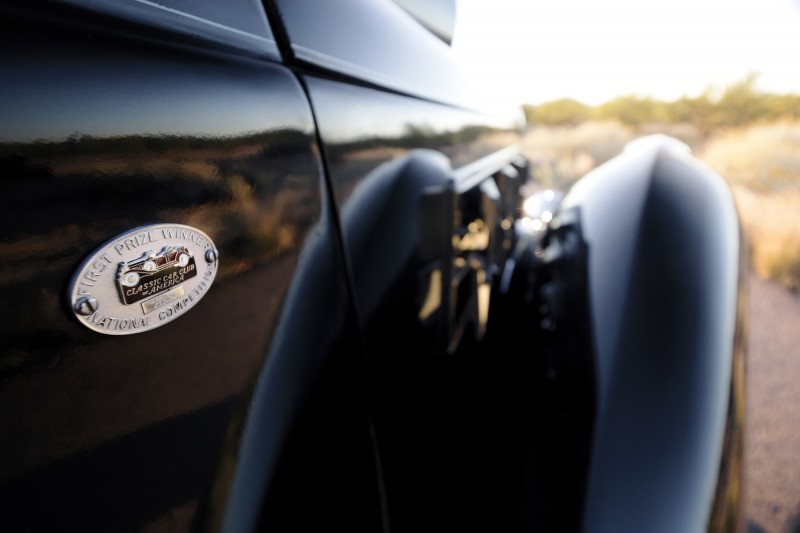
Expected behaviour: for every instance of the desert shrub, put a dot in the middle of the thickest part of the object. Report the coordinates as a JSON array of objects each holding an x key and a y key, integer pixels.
[
  {"x": 557, "y": 113},
  {"x": 633, "y": 110}
]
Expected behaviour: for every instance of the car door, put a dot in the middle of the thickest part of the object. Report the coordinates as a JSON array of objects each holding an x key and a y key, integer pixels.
[
  {"x": 416, "y": 165},
  {"x": 126, "y": 115}
]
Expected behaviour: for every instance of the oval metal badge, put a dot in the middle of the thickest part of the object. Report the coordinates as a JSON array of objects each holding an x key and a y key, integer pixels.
[{"x": 143, "y": 279}]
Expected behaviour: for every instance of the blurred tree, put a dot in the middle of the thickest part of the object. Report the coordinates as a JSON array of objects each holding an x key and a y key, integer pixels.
[
  {"x": 741, "y": 103},
  {"x": 782, "y": 106},
  {"x": 633, "y": 110},
  {"x": 738, "y": 104},
  {"x": 698, "y": 111},
  {"x": 558, "y": 112}
]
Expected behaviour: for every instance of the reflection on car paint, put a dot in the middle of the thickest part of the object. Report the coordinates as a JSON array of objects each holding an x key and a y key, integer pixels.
[{"x": 95, "y": 146}]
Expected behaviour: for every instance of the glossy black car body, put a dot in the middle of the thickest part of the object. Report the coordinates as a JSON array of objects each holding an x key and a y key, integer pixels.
[{"x": 368, "y": 357}]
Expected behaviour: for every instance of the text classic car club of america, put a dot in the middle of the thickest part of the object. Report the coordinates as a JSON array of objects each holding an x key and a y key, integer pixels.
[{"x": 143, "y": 279}]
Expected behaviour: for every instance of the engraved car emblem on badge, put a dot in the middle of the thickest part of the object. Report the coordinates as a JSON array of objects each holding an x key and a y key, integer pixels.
[{"x": 143, "y": 279}]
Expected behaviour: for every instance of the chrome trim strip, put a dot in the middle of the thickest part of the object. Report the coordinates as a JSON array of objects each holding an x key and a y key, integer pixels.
[
  {"x": 342, "y": 66},
  {"x": 204, "y": 21},
  {"x": 159, "y": 16},
  {"x": 472, "y": 174}
]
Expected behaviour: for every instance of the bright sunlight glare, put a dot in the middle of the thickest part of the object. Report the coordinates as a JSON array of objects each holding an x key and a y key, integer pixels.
[{"x": 531, "y": 52}]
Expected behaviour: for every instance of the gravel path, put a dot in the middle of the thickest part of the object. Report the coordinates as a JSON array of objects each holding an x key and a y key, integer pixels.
[{"x": 772, "y": 496}]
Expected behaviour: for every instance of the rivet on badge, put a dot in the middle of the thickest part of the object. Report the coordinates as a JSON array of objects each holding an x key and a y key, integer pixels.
[{"x": 143, "y": 279}]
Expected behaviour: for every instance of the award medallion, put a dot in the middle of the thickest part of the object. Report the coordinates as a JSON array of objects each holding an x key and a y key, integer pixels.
[{"x": 143, "y": 279}]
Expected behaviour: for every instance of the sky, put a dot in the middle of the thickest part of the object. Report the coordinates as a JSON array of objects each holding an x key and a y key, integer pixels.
[{"x": 534, "y": 51}]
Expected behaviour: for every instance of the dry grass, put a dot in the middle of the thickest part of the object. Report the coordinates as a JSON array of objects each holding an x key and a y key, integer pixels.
[
  {"x": 764, "y": 158},
  {"x": 762, "y": 163},
  {"x": 562, "y": 154},
  {"x": 772, "y": 223}
]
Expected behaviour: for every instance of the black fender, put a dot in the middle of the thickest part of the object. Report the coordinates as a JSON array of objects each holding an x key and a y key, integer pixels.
[{"x": 664, "y": 284}]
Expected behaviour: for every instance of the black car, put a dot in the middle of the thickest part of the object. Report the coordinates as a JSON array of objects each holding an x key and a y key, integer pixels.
[{"x": 369, "y": 341}]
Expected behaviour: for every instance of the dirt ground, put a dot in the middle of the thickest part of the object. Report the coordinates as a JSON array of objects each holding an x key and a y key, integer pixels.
[{"x": 772, "y": 456}]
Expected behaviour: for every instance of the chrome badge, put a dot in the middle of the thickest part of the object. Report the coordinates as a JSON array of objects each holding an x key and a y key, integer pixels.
[{"x": 143, "y": 279}]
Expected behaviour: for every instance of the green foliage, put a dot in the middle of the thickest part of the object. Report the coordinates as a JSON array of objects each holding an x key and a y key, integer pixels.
[
  {"x": 695, "y": 111},
  {"x": 739, "y": 104},
  {"x": 782, "y": 106},
  {"x": 565, "y": 111},
  {"x": 634, "y": 110}
]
